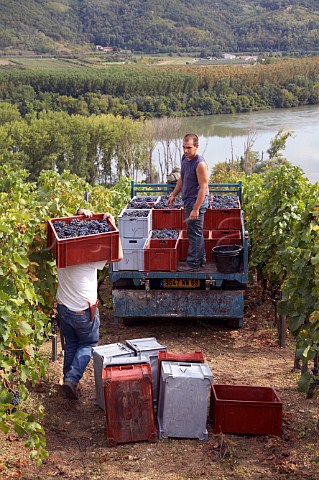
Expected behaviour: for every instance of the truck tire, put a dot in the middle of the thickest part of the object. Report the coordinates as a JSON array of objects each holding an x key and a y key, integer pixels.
[{"x": 235, "y": 323}]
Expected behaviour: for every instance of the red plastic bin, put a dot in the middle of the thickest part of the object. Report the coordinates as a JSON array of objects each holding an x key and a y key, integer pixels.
[
  {"x": 196, "y": 357},
  {"x": 223, "y": 219},
  {"x": 129, "y": 404},
  {"x": 89, "y": 248},
  {"x": 161, "y": 255},
  {"x": 166, "y": 218},
  {"x": 208, "y": 222},
  {"x": 183, "y": 245},
  {"x": 225, "y": 237},
  {"x": 245, "y": 410}
]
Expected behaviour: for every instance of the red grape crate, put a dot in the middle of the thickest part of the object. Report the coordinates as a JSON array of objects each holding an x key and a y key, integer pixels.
[{"x": 84, "y": 248}]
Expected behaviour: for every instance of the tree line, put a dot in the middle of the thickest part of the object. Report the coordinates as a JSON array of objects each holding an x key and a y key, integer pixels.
[
  {"x": 55, "y": 121},
  {"x": 148, "y": 92}
]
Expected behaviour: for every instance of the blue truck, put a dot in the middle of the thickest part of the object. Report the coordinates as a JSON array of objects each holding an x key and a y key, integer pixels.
[{"x": 207, "y": 294}]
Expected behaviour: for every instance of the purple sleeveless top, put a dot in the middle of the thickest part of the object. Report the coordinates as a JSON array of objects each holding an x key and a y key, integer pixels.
[{"x": 190, "y": 186}]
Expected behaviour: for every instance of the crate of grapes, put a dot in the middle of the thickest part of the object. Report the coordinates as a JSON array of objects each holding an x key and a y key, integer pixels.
[
  {"x": 161, "y": 251},
  {"x": 135, "y": 223},
  {"x": 165, "y": 216},
  {"x": 224, "y": 213},
  {"x": 79, "y": 239}
]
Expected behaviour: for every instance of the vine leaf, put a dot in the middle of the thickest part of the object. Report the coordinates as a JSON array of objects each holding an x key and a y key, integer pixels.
[
  {"x": 25, "y": 328},
  {"x": 304, "y": 382},
  {"x": 24, "y": 262}
]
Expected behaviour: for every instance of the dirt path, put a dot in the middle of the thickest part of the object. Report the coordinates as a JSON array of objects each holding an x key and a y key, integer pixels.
[{"x": 250, "y": 356}]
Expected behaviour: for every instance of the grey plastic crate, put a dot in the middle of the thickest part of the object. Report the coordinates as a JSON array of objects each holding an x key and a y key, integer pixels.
[
  {"x": 149, "y": 347},
  {"x": 135, "y": 227},
  {"x": 104, "y": 355},
  {"x": 133, "y": 255},
  {"x": 183, "y": 400}
]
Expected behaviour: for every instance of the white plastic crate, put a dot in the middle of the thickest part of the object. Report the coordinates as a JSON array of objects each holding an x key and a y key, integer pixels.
[
  {"x": 133, "y": 243},
  {"x": 149, "y": 348},
  {"x": 183, "y": 400},
  {"x": 133, "y": 258},
  {"x": 104, "y": 355},
  {"x": 135, "y": 227}
]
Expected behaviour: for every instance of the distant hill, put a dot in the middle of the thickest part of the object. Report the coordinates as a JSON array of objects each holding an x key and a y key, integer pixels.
[{"x": 158, "y": 26}]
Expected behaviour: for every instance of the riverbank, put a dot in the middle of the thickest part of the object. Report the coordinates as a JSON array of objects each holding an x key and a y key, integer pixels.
[{"x": 224, "y": 137}]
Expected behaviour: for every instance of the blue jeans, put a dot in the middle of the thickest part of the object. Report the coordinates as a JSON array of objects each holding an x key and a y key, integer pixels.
[
  {"x": 196, "y": 249},
  {"x": 81, "y": 334}
]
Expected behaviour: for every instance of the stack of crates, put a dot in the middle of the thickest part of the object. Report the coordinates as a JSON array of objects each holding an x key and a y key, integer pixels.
[
  {"x": 134, "y": 231},
  {"x": 132, "y": 379},
  {"x": 163, "y": 254},
  {"x": 222, "y": 226},
  {"x": 126, "y": 386}
]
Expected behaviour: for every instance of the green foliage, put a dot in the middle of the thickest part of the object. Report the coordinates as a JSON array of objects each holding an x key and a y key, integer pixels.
[
  {"x": 28, "y": 283},
  {"x": 278, "y": 143},
  {"x": 101, "y": 149},
  {"x": 23, "y": 320},
  {"x": 282, "y": 219},
  {"x": 276, "y": 211},
  {"x": 156, "y": 26},
  {"x": 226, "y": 172}
]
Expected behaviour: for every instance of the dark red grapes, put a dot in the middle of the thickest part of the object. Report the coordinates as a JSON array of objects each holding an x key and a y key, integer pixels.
[
  {"x": 81, "y": 228},
  {"x": 225, "y": 201}
]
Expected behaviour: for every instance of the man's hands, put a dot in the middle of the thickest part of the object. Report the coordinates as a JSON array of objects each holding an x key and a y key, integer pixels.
[
  {"x": 112, "y": 222},
  {"x": 89, "y": 214},
  {"x": 85, "y": 212},
  {"x": 110, "y": 219},
  {"x": 171, "y": 199},
  {"x": 194, "y": 214}
]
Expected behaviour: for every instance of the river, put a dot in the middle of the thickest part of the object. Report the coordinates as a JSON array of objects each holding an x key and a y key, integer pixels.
[{"x": 224, "y": 136}]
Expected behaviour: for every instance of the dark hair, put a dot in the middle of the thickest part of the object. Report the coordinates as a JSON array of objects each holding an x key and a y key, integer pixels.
[{"x": 191, "y": 136}]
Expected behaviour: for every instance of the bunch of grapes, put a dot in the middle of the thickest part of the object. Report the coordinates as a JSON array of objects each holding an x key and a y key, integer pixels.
[
  {"x": 165, "y": 233},
  {"x": 145, "y": 199},
  {"x": 162, "y": 203},
  {"x": 138, "y": 205},
  {"x": 15, "y": 401},
  {"x": 81, "y": 228},
  {"x": 225, "y": 201},
  {"x": 135, "y": 213}
]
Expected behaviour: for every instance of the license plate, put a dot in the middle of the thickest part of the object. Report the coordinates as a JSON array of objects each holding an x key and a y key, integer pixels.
[{"x": 181, "y": 282}]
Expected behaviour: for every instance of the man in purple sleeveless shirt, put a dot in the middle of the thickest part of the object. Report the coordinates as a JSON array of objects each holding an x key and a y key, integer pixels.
[{"x": 193, "y": 184}]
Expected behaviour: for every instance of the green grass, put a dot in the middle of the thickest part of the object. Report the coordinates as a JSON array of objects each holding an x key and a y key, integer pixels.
[
  {"x": 58, "y": 7},
  {"x": 45, "y": 63}
]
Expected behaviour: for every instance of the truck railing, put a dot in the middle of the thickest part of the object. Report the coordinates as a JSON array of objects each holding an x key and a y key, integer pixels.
[{"x": 166, "y": 188}]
